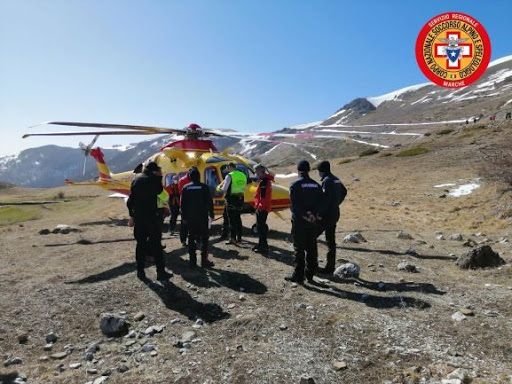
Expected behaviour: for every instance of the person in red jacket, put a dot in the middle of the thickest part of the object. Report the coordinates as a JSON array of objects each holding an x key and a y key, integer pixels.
[
  {"x": 263, "y": 205},
  {"x": 174, "y": 202},
  {"x": 181, "y": 184}
]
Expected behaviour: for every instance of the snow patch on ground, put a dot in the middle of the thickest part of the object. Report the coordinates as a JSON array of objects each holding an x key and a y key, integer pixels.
[
  {"x": 306, "y": 125},
  {"x": 271, "y": 149},
  {"x": 445, "y": 185},
  {"x": 394, "y": 95},
  {"x": 499, "y": 61},
  {"x": 463, "y": 190},
  {"x": 286, "y": 176},
  {"x": 372, "y": 144}
]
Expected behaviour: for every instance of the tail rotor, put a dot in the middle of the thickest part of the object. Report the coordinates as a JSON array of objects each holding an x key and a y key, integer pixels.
[{"x": 87, "y": 150}]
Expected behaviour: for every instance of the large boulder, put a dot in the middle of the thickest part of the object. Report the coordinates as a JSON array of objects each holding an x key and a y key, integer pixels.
[
  {"x": 481, "y": 257},
  {"x": 113, "y": 325}
]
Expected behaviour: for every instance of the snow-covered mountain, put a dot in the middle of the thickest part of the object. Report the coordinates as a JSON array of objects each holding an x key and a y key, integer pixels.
[{"x": 391, "y": 119}]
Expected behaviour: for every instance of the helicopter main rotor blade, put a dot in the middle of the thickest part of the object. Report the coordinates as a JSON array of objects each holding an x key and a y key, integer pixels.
[
  {"x": 75, "y": 133},
  {"x": 113, "y": 126}
]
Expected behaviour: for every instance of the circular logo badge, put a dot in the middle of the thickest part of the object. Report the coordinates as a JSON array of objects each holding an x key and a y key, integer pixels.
[{"x": 453, "y": 50}]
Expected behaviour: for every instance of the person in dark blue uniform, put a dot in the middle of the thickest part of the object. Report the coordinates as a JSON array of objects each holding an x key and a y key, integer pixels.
[
  {"x": 196, "y": 211},
  {"x": 142, "y": 207},
  {"x": 334, "y": 192},
  {"x": 305, "y": 196}
]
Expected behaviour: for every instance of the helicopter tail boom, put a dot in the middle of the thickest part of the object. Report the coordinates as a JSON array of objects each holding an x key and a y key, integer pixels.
[{"x": 100, "y": 164}]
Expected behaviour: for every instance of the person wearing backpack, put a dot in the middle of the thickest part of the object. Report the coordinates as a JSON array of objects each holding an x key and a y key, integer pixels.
[{"x": 334, "y": 192}]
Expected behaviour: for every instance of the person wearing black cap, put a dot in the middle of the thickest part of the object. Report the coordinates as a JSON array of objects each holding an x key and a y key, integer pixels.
[
  {"x": 196, "y": 210},
  {"x": 334, "y": 192},
  {"x": 142, "y": 207},
  {"x": 305, "y": 197}
]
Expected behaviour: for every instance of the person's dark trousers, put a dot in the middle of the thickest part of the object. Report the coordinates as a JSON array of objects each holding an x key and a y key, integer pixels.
[
  {"x": 148, "y": 236},
  {"x": 183, "y": 231},
  {"x": 235, "y": 204},
  {"x": 305, "y": 246},
  {"x": 161, "y": 218},
  {"x": 261, "y": 223},
  {"x": 197, "y": 233},
  {"x": 329, "y": 226},
  {"x": 225, "y": 224},
  {"x": 174, "y": 217}
]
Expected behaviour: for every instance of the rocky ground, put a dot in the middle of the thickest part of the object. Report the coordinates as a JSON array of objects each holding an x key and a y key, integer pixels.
[{"x": 240, "y": 322}]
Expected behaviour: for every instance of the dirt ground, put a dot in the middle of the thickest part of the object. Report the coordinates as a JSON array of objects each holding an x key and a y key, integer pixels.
[{"x": 388, "y": 326}]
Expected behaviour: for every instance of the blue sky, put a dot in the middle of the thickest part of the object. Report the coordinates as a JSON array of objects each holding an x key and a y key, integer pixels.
[{"x": 250, "y": 65}]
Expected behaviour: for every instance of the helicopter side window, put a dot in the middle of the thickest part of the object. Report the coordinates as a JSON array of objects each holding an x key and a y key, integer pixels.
[
  {"x": 168, "y": 178},
  {"x": 212, "y": 180}
]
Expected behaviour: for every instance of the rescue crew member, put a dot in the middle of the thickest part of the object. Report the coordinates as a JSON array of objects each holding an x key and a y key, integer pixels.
[
  {"x": 233, "y": 187},
  {"x": 183, "y": 228},
  {"x": 142, "y": 207},
  {"x": 263, "y": 205},
  {"x": 174, "y": 202},
  {"x": 334, "y": 192},
  {"x": 196, "y": 211},
  {"x": 305, "y": 197}
]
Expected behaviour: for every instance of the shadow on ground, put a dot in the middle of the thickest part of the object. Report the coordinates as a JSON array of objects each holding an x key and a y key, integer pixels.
[{"x": 379, "y": 302}]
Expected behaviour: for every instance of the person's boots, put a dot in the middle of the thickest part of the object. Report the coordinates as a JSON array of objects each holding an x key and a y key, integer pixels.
[
  {"x": 296, "y": 277},
  {"x": 193, "y": 260},
  {"x": 205, "y": 263},
  {"x": 141, "y": 275}
]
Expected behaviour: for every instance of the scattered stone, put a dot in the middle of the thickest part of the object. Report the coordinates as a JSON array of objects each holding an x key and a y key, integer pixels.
[
  {"x": 440, "y": 237},
  {"x": 242, "y": 298},
  {"x": 48, "y": 347},
  {"x": 13, "y": 361},
  {"x": 106, "y": 372},
  {"x": 467, "y": 312},
  {"x": 51, "y": 338},
  {"x": 231, "y": 306},
  {"x": 64, "y": 229},
  {"x": 403, "y": 235},
  {"x": 339, "y": 365},
  {"x": 131, "y": 335},
  {"x": 92, "y": 371},
  {"x": 412, "y": 252},
  {"x": 453, "y": 352},
  {"x": 45, "y": 231},
  {"x": 456, "y": 237},
  {"x": 59, "y": 355},
  {"x": 147, "y": 348},
  {"x": 129, "y": 343},
  {"x": 154, "y": 353},
  {"x": 381, "y": 286},
  {"x": 365, "y": 297},
  {"x": 469, "y": 243},
  {"x": 100, "y": 380},
  {"x": 283, "y": 327},
  {"x": 89, "y": 356},
  {"x": 75, "y": 365},
  {"x": 139, "y": 316},
  {"x": 199, "y": 322},
  {"x": 307, "y": 380},
  {"x": 122, "y": 368},
  {"x": 188, "y": 336},
  {"x": 406, "y": 266},
  {"x": 481, "y": 257},
  {"x": 93, "y": 348},
  {"x": 113, "y": 325},
  {"x": 490, "y": 313},
  {"x": 355, "y": 237},
  {"x": 459, "y": 316},
  {"x": 22, "y": 337},
  {"x": 504, "y": 240},
  {"x": 44, "y": 358},
  {"x": 347, "y": 270},
  {"x": 60, "y": 367},
  {"x": 459, "y": 374}
]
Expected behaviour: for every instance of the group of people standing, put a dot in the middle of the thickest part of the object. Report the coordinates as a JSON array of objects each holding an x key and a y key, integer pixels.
[{"x": 314, "y": 207}]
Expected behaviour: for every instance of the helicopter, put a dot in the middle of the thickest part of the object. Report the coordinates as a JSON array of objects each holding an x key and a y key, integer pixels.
[{"x": 175, "y": 158}]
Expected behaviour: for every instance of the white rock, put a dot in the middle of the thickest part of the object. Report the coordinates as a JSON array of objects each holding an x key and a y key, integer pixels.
[
  {"x": 403, "y": 235},
  {"x": 456, "y": 237},
  {"x": 75, "y": 365},
  {"x": 459, "y": 316},
  {"x": 347, "y": 270}
]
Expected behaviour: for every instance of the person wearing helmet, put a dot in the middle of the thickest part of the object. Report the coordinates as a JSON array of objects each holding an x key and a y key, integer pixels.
[
  {"x": 305, "y": 198},
  {"x": 334, "y": 192},
  {"x": 143, "y": 210},
  {"x": 233, "y": 187},
  {"x": 197, "y": 210},
  {"x": 263, "y": 205}
]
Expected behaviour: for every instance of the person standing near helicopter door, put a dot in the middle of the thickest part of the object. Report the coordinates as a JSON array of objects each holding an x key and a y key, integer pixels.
[
  {"x": 263, "y": 205},
  {"x": 233, "y": 187}
]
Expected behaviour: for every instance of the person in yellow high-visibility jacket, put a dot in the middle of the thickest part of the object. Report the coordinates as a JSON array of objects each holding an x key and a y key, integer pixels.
[
  {"x": 162, "y": 201},
  {"x": 233, "y": 187}
]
